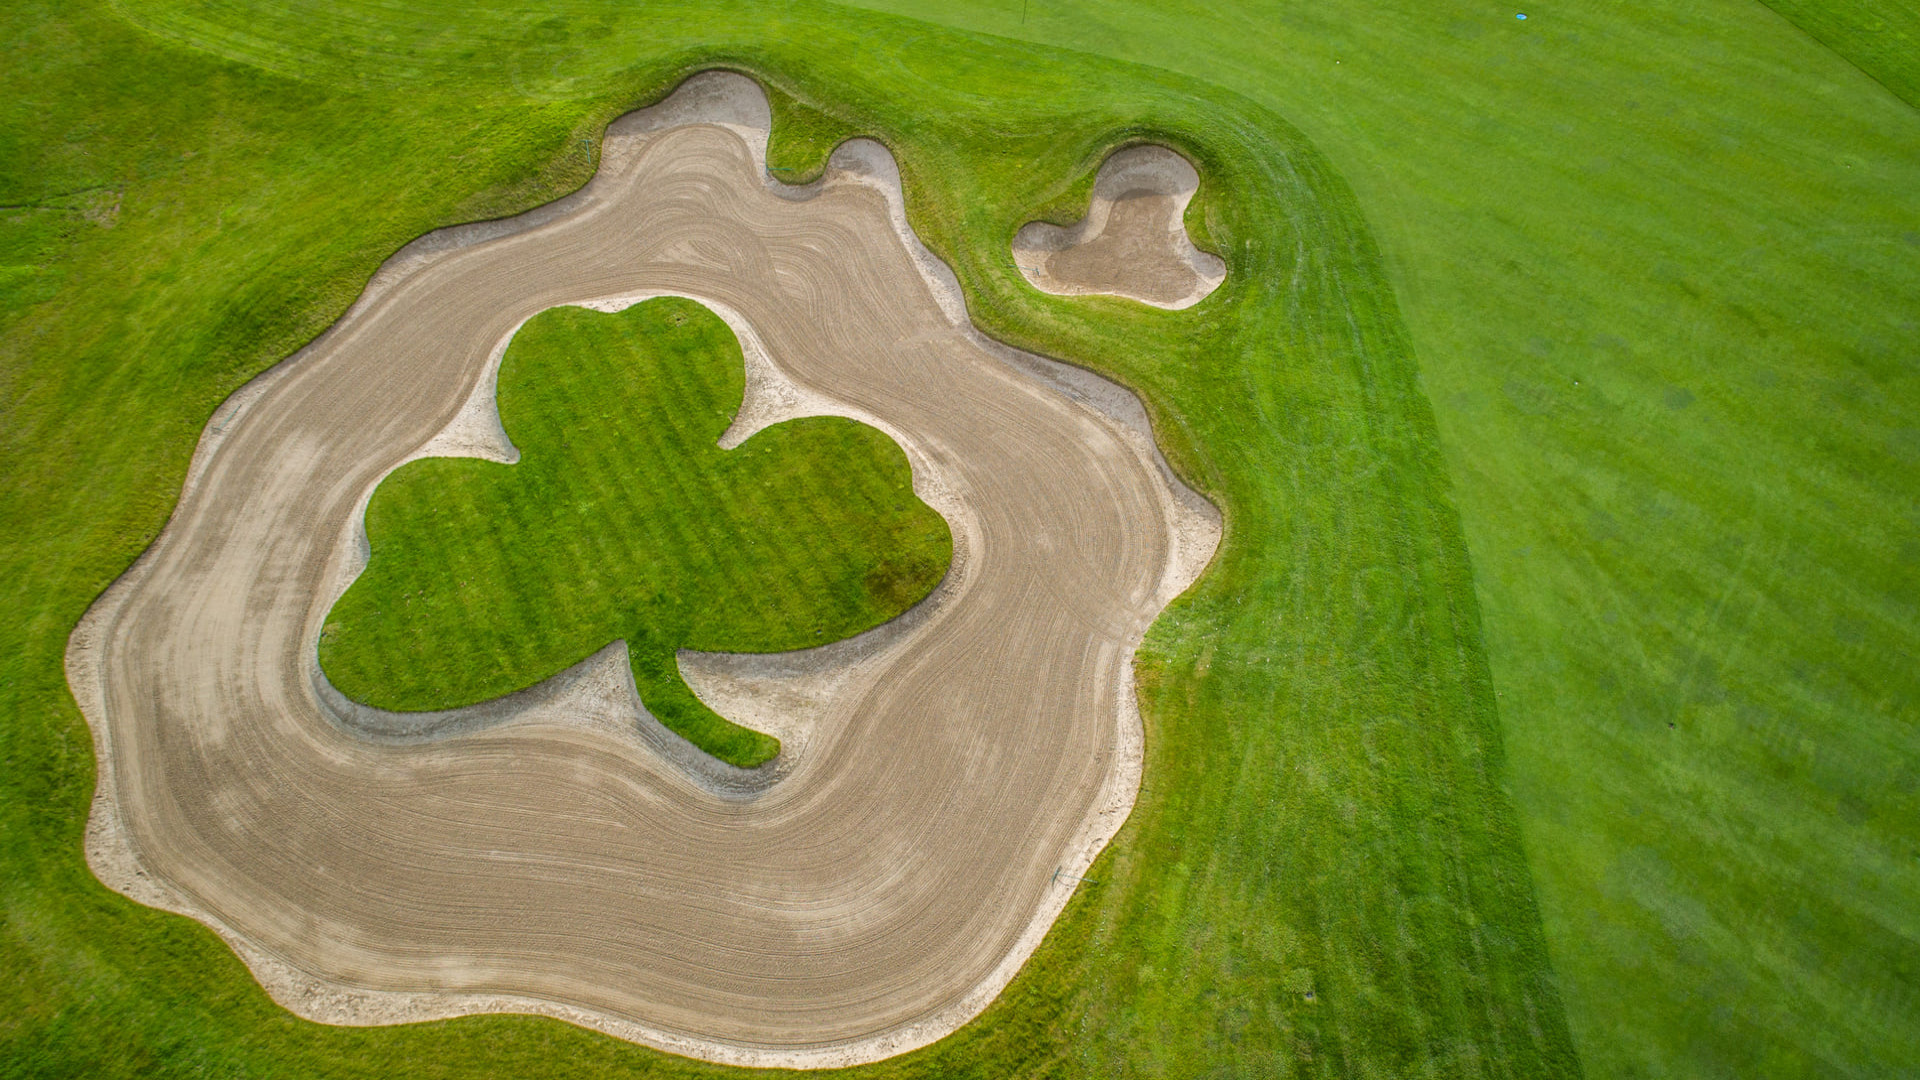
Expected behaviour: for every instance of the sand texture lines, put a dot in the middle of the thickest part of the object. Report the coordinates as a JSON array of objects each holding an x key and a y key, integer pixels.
[
  {"x": 1133, "y": 241},
  {"x": 556, "y": 854}
]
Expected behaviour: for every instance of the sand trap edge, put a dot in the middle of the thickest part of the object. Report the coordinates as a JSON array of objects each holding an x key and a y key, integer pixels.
[{"x": 1146, "y": 166}]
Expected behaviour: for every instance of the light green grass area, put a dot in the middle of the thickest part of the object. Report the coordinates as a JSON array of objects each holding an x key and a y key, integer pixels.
[
  {"x": 624, "y": 519},
  {"x": 1661, "y": 267},
  {"x": 1658, "y": 268}
]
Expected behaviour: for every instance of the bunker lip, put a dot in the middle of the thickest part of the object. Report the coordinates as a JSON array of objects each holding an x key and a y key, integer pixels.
[
  {"x": 229, "y": 790},
  {"x": 1132, "y": 243}
]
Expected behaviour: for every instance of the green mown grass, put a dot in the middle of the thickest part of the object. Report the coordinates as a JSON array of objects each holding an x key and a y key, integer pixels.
[
  {"x": 1661, "y": 267},
  {"x": 1880, "y": 37},
  {"x": 1705, "y": 214},
  {"x": 623, "y": 519},
  {"x": 807, "y": 137}
]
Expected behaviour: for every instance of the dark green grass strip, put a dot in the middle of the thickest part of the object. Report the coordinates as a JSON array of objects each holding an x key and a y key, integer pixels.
[
  {"x": 1880, "y": 37},
  {"x": 623, "y": 519},
  {"x": 807, "y": 137}
]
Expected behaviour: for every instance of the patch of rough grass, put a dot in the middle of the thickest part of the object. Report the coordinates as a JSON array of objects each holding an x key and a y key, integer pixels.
[
  {"x": 804, "y": 137},
  {"x": 624, "y": 519}
]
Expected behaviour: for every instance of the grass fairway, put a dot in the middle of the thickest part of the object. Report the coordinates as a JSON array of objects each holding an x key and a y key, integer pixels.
[
  {"x": 624, "y": 520},
  {"x": 1658, "y": 270}
]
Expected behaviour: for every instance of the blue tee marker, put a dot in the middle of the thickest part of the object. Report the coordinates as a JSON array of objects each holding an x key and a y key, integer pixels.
[{"x": 1520, "y": 15}]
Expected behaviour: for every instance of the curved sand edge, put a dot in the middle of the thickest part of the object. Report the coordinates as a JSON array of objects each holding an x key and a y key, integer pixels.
[
  {"x": 727, "y": 100},
  {"x": 1155, "y": 263}
]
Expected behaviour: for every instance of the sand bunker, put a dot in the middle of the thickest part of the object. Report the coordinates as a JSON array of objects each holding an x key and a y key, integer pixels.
[
  {"x": 557, "y": 852},
  {"x": 1132, "y": 243}
]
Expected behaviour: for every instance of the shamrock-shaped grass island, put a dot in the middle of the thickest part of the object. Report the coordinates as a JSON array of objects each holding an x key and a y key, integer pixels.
[{"x": 624, "y": 518}]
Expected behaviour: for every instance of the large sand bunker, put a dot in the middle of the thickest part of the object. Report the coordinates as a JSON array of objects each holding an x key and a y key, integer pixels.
[
  {"x": 1133, "y": 241},
  {"x": 558, "y": 852}
]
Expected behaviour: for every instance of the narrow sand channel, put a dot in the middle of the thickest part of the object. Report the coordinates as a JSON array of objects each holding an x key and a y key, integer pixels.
[{"x": 555, "y": 855}]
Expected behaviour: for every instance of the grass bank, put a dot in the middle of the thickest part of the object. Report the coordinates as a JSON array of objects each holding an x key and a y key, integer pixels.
[{"x": 1662, "y": 271}]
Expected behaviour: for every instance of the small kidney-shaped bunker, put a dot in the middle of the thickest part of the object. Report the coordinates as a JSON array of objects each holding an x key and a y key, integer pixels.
[{"x": 1133, "y": 241}]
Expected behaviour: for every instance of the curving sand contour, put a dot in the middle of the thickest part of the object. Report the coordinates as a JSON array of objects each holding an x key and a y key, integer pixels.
[
  {"x": 558, "y": 852},
  {"x": 1133, "y": 241}
]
